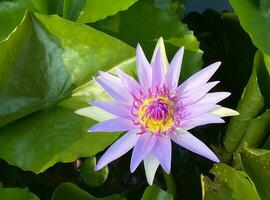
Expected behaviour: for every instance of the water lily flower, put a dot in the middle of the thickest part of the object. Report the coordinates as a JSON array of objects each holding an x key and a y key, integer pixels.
[{"x": 156, "y": 111}]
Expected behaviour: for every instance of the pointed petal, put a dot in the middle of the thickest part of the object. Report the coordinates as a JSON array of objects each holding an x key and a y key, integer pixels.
[
  {"x": 160, "y": 45},
  {"x": 129, "y": 82},
  {"x": 200, "y": 120},
  {"x": 95, "y": 113},
  {"x": 200, "y": 77},
  {"x": 112, "y": 125},
  {"x": 109, "y": 78},
  {"x": 115, "y": 108},
  {"x": 195, "y": 110},
  {"x": 214, "y": 97},
  {"x": 143, "y": 146},
  {"x": 113, "y": 90},
  {"x": 188, "y": 141},
  {"x": 163, "y": 152},
  {"x": 143, "y": 68},
  {"x": 158, "y": 74},
  {"x": 172, "y": 76},
  {"x": 115, "y": 84},
  {"x": 225, "y": 112},
  {"x": 197, "y": 93},
  {"x": 150, "y": 165},
  {"x": 118, "y": 148}
]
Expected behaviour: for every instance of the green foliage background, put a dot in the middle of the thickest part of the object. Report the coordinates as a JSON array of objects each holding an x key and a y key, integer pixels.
[{"x": 49, "y": 51}]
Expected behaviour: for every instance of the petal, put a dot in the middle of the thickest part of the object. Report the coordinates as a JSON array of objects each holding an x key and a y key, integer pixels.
[
  {"x": 214, "y": 97},
  {"x": 109, "y": 78},
  {"x": 118, "y": 148},
  {"x": 200, "y": 77},
  {"x": 172, "y": 76},
  {"x": 158, "y": 74},
  {"x": 160, "y": 45},
  {"x": 200, "y": 120},
  {"x": 129, "y": 82},
  {"x": 113, "y": 90},
  {"x": 195, "y": 110},
  {"x": 112, "y": 125},
  {"x": 197, "y": 93},
  {"x": 188, "y": 141},
  {"x": 143, "y": 146},
  {"x": 94, "y": 113},
  {"x": 143, "y": 68},
  {"x": 163, "y": 152},
  {"x": 116, "y": 85},
  {"x": 150, "y": 165},
  {"x": 225, "y": 112},
  {"x": 115, "y": 108}
]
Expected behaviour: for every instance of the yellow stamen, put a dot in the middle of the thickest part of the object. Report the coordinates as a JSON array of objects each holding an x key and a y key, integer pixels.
[{"x": 153, "y": 125}]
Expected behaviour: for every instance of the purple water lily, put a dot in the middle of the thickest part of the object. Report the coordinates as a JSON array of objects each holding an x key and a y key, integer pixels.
[{"x": 156, "y": 111}]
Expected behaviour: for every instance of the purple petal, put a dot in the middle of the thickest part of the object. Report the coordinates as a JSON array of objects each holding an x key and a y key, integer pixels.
[
  {"x": 173, "y": 73},
  {"x": 163, "y": 152},
  {"x": 157, "y": 70},
  {"x": 143, "y": 146},
  {"x": 109, "y": 78},
  {"x": 195, "y": 110},
  {"x": 195, "y": 94},
  {"x": 113, "y": 90},
  {"x": 118, "y": 148},
  {"x": 129, "y": 82},
  {"x": 188, "y": 141},
  {"x": 200, "y": 77},
  {"x": 143, "y": 68},
  {"x": 115, "y": 108},
  {"x": 200, "y": 120},
  {"x": 150, "y": 166},
  {"x": 214, "y": 97},
  {"x": 112, "y": 125}
]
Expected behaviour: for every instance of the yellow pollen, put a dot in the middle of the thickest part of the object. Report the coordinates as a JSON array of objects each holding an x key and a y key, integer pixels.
[{"x": 152, "y": 124}]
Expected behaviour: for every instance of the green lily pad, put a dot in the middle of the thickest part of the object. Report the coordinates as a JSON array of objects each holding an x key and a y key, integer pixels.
[
  {"x": 256, "y": 163},
  {"x": 70, "y": 191},
  {"x": 90, "y": 176},
  {"x": 254, "y": 17},
  {"x": 17, "y": 194},
  {"x": 155, "y": 193},
  {"x": 95, "y": 10},
  {"x": 228, "y": 184},
  {"x": 64, "y": 55}
]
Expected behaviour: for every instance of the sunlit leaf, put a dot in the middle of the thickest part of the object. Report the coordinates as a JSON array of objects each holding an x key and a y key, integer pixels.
[{"x": 254, "y": 17}]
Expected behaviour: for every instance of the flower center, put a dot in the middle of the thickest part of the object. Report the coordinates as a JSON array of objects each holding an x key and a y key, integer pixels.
[{"x": 156, "y": 114}]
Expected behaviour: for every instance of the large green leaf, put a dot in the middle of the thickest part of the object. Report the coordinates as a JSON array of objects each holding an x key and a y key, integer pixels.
[
  {"x": 84, "y": 11},
  {"x": 94, "y": 10},
  {"x": 228, "y": 184},
  {"x": 256, "y": 163},
  {"x": 69, "y": 191},
  {"x": 254, "y": 17},
  {"x": 16, "y": 194},
  {"x": 151, "y": 24},
  {"x": 249, "y": 107},
  {"x": 64, "y": 55},
  {"x": 155, "y": 193},
  {"x": 30, "y": 83}
]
